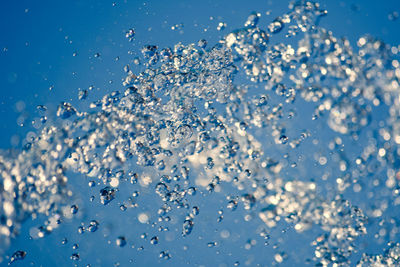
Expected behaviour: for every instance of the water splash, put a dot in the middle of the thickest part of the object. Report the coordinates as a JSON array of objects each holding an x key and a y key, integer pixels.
[{"x": 195, "y": 120}]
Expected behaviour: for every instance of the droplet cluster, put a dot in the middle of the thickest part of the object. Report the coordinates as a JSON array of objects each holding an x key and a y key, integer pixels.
[{"x": 200, "y": 117}]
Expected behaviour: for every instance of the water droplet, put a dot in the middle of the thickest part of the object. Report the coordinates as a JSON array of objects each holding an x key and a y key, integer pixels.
[
  {"x": 154, "y": 240},
  {"x": 130, "y": 34},
  {"x": 75, "y": 256},
  {"x": 81, "y": 230},
  {"x": 107, "y": 194},
  {"x": 202, "y": 43},
  {"x": 195, "y": 210},
  {"x": 393, "y": 16},
  {"x": 93, "y": 225},
  {"x": 165, "y": 255},
  {"x": 187, "y": 227},
  {"x": 65, "y": 110},
  {"x": 17, "y": 255},
  {"x": 232, "y": 205},
  {"x": 252, "y": 20},
  {"x": 283, "y": 139},
  {"x": 74, "y": 209},
  {"x": 121, "y": 241},
  {"x": 276, "y": 26},
  {"x": 212, "y": 244}
]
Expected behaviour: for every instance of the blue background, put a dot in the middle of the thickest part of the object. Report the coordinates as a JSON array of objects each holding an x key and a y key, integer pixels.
[{"x": 38, "y": 40}]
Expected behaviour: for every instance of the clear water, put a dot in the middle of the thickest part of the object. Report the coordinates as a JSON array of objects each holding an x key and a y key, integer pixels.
[{"x": 277, "y": 144}]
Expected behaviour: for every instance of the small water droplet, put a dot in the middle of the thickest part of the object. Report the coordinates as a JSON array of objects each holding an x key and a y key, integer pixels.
[
  {"x": 120, "y": 241},
  {"x": 74, "y": 209}
]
